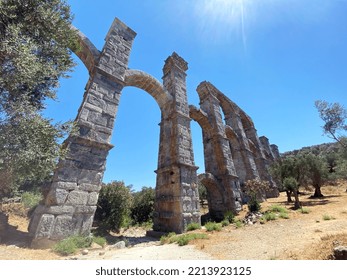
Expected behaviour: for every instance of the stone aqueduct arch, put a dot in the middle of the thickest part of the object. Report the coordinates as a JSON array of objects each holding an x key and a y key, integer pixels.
[{"x": 70, "y": 204}]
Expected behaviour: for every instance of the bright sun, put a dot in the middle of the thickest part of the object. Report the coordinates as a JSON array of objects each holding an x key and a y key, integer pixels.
[{"x": 228, "y": 15}]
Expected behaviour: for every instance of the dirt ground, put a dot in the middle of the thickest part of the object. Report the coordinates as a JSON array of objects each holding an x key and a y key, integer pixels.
[{"x": 310, "y": 236}]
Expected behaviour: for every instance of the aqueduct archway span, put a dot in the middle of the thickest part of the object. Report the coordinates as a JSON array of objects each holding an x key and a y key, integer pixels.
[{"x": 70, "y": 205}]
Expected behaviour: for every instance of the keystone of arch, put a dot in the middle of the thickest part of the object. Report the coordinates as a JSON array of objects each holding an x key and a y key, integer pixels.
[{"x": 148, "y": 83}]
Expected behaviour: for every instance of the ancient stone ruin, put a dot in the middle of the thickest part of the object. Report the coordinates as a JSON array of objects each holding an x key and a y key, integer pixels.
[{"x": 233, "y": 151}]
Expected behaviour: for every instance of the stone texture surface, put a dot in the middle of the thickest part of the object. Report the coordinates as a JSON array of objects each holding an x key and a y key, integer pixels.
[{"x": 233, "y": 152}]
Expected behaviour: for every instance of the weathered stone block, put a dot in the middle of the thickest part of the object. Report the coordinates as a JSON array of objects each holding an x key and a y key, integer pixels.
[
  {"x": 89, "y": 187},
  {"x": 64, "y": 226},
  {"x": 56, "y": 196},
  {"x": 93, "y": 198},
  {"x": 69, "y": 186},
  {"x": 45, "y": 226},
  {"x": 77, "y": 198},
  {"x": 85, "y": 209}
]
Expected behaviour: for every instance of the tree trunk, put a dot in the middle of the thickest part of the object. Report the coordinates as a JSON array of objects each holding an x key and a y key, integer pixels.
[
  {"x": 297, "y": 202},
  {"x": 289, "y": 198},
  {"x": 317, "y": 192}
]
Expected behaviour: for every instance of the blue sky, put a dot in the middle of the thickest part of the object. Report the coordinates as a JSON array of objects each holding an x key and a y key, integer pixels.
[{"x": 273, "y": 58}]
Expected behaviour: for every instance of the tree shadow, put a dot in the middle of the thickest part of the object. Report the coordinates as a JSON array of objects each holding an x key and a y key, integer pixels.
[{"x": 15, "y": 237}]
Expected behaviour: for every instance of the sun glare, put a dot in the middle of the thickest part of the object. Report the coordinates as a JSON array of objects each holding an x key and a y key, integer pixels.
[{"x": 228, "y": 15}]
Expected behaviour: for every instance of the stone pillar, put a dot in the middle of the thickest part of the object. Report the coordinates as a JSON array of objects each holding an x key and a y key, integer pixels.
[
  {"x": 71, "y": 202},
  {"x": 261, "y": 162},
  {"x": 218, "y": 159},
  {"x": 177, "y": 198},
  {"x": 275, "y": 151},
  {"x": 266, "y": 148},
  {"x": 244, "y": 162}
]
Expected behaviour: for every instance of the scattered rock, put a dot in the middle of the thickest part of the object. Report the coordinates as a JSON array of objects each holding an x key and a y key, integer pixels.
[
  {"x": 340, "y": 253},
  {"x": 102, "y": 253},
  {"x": 85, "y": 252},
  {"x": 252, "y": 218},
  {"x": 95, "y": 246},
  {"x": 118, "y": 245}
]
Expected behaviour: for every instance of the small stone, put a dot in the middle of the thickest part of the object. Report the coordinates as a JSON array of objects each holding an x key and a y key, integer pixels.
[
  {"x": 85, "y": 252},
  {"x": 118, "y": 245},
  {"x": 102, "y": 253}
]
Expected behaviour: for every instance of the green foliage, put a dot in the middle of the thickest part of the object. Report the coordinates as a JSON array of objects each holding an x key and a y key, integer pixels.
[
  {"x": 202, "y": 193},
  {"x": 181, "y": 240},
  {"x": 304, "y": 210},
  {"x": 213, "y": 226},
  {"x": 238, "y": 223},
  {"x": 31, "y": 199},
  {"x": 35, "y": 37},
  {"x": 29, "y": 149},
  {"x": 327, "y": 217},
  {"x": 143, "y": 205},
  {"x": 229, "y": 216},
  {"x": 114, "y": 204},
  {"x": 100, "y": 240},
  {"x": 269, "y": 216},
  {"x": 254, "y": 189},
  {"x": 70, "y": 245},
  {"x": 225, "y": 223},
  {"x": 283, "y": 215},
  {"x": 277, "y": 209},
  {"x": 165, "y": 238},
  {"x": 334, "y": 116},
  {"x": 193, "y": 226},
  {"x": 290, "y": 184},
  {"x": 34, "y": 49}
]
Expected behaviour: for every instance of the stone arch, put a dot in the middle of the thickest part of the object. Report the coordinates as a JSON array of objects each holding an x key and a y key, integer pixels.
[
  {"x": 149, "y": 84},
  {"x": 215, "y": 196},
  {"x": 88, "y": 53},
  {"x": 70, "y": 204}
]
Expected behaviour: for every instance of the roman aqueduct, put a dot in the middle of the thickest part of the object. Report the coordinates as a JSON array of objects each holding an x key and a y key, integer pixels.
[{"x": 233, "y": 152}]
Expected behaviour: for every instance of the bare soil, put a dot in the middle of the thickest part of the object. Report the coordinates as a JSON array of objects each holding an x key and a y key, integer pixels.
[{"x": 309, "y": 236}]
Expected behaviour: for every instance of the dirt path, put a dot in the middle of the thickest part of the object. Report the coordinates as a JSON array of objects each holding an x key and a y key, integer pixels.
[{"x": 302, "y": 236}]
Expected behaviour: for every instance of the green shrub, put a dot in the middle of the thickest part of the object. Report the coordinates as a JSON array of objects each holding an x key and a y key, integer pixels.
[
  {"x": 165, "y": 238},
  {"x": 99, "y": 240},
  {"x": 304, "y": 210},
  {"x": 193, "y": 226},
  {"x": 65, "y": 247},
  {"x": 31, "y": 199},
  {"x": 143, "y": 205},
  {"x": 229, "y": 216},
  {"x": 211, "y": 226},
  {"x": 70, "y": 245},
  {"x": 113, "y": 208},
  {"x": 283, "y": 215},
  {"x": 238, "y": 223},
  {"x": 225, "y": 223},
  {"x": 181, "y": 240},
  {"x": 269, "y": 216},
  {"x": 278, "y": 209},
  {"x": 327, "y": 217}
]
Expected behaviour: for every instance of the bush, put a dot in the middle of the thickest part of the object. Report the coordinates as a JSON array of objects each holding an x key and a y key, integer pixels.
[
  {"x": 229, "y": 216},
  {"x": 70, "y": 245},
  {"x": 181, "y": 240},
  {"x": 193, "y": 226},
  {"x": 31, "y": 199},
  {"x": 211, "y": 226},
  {"x": 304, "y": 210},
  {"x": 238, "y": 223},
  {"x": 113, "y": 208},
  {"x": 143, "y": 205},
  {"x": 278, "y": 209},
  {"x": 225, "y": 223},
  {"x": 269, "y": 216}
]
